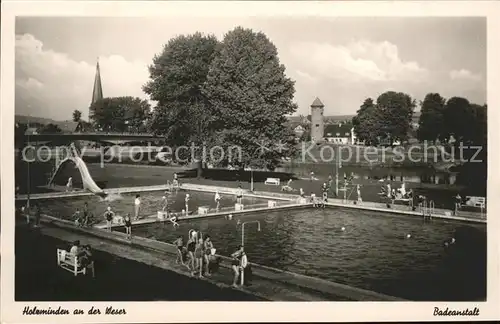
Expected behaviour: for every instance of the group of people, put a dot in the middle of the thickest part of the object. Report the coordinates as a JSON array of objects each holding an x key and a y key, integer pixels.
[
  {"x": 83, "y": 254},
  {"x": 198, "y": 254},
  {"x": 83, "y": 218}
]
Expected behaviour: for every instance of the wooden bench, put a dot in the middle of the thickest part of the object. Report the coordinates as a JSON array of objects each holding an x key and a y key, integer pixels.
[
  {"x": 474, "y": 201},
  {"x": 272, "y": 181},
  {"x": 69, "y": 262}
]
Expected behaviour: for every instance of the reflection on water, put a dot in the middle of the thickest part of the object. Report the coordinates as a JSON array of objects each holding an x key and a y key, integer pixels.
[{"x": 372, "y": 252}]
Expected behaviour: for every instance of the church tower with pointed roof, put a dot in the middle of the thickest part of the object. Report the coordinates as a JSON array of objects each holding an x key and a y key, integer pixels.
[
  {"x": 317, "y": 122},
  {"x": 97, "y": 92}
]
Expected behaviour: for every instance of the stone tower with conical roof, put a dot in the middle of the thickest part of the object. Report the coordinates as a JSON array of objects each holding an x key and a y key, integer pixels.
[
  {"x": 317, "y": 123},
  {"x": 97, "y": 92}
]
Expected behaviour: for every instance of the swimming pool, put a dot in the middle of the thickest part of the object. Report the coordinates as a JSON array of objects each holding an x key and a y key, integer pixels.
[
  {"x": 151, "y": 202},
  {"x": 372, "y": 252}
]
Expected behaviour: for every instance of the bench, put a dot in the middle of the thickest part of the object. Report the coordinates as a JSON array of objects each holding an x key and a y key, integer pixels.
[
  {"x": 272, "y": 181},
  {"x": 69, "y": 262},
  {"x": 473, "y": 201}
]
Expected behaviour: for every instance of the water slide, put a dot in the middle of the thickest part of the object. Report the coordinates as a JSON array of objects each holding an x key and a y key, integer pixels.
[{"x": 88, "y": 182}]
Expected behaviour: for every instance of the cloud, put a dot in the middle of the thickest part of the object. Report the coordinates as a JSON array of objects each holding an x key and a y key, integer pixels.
[
  {"x": 53, "y": 85},
  {"x": 357, "y": 61},
  {"x": 464, "y": 75}
]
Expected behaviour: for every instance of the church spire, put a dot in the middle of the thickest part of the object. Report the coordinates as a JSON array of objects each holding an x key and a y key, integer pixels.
[{"x": 97, "y": 92}]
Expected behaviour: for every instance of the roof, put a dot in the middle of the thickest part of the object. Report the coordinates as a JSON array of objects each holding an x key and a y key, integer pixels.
[
  {"x": 67, "y": 126},
  {"x": 31, "y": 131},
  {"x": 317, "y": 103},
  {"x": 334, "y": 129}
]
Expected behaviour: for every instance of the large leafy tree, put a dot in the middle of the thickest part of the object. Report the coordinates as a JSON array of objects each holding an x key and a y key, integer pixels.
[
  {"x": 120, "y": 114},
  {"x": 366, "y": 123},
  {"x": 431, "y": 122},
  {"x": 250, "y": 96},
  {"x": 395, "y": 113},
  {"x": 459, "y": 116},
  {"x": 176, "y": 78}
]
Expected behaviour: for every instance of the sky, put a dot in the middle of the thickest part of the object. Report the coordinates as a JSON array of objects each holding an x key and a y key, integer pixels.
[{"x": 342, "y": 61}]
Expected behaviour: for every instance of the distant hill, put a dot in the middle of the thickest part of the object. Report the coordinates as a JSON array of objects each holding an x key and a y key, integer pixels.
[{"x": 40, "y": 120}]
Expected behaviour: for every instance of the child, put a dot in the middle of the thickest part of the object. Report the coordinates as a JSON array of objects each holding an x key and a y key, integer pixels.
[
  {"x": 179, "y": 243},
  {"x": 128, "y": 226},
  {"x": 137, "y": 206},
  {"x": 76, "y": 217},
  {"x": 217, "y": 200},
  {"x": 313, "y": 199},
  {"x": 239, "y": 195},
  {"x": 186, "y": 201},
  {"x": 165, "y": 203},
  {"x": 108, "y": 215}
]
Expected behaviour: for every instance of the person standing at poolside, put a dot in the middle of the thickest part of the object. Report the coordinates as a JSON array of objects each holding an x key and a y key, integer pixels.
[
  {"x": 239, "y": 195},
  {"x": 208, "y": 246},
  {"x": 128, "y": 226},
  {"x": 191, "y": 246},
  {"x": 235, "y": 264},
  {"x": 108, "y": 215},
  {"x": 137, "y": 206},
  {"x": 458, "y": 202},
  {"x": 324, "y": 189},
  {"x": 85, "y": 214},
  {"x": 199, "y": 255},
  {"x": 179, "y": 244},
  {"x": 186, "y": 202},
  {"x": 175, "y": 182},
  {"x": 358, "y": 191},
  {"x": 217, "y": 200}
]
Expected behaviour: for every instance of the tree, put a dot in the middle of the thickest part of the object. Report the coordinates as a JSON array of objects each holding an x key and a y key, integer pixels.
[
  {"x": 120, "y": 114},
  {"x": 458, "y": 118},
  {"x": 431, "y": 122},
  {"x": 176, "y": 78},
  {"x": 250, "y": 96},
  {"x": 395, "y": 115},
  {"x": 77, "y": 115},
  {"x": 479, "y": 125},
  {"x": 366, "y": 123}
]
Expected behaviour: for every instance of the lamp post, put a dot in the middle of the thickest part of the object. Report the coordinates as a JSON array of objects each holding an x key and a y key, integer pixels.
[
  {"x": 243, "y": 230},
  {"x": 243, "y": 243},
  {"x": 29, "y": 177}
]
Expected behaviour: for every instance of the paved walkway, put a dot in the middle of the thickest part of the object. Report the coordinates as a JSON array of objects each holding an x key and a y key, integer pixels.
[
  {"x": 268, "y": 283},
  {"x": 365, "y": 205}
]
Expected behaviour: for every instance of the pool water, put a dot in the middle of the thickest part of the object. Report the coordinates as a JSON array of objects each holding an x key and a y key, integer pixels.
[
  {"x": 372, "y": 252},
  {"x": 151, "y": 202}
]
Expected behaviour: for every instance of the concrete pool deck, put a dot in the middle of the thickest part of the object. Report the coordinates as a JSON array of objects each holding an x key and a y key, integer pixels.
[
  {"x": 267, "y": 283},
  {"x": 464, "y": 216}
]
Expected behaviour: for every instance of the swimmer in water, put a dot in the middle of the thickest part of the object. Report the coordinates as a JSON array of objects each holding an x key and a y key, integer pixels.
[
  {"x": 230, "y": 216},
  {"x": 449, "y": 242},
  {"x": 408, "y": 236}
]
